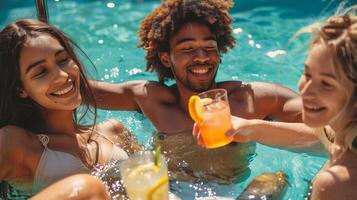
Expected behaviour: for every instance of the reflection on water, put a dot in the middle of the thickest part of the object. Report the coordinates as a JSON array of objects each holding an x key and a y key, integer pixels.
[
  {"x": 109, "y": 174},
  {"x": 267, "y": 186},
  {"x": 9, "y": 192},
  {"x": 194, "y": 171},
  {"x": 188, "y": 161}
]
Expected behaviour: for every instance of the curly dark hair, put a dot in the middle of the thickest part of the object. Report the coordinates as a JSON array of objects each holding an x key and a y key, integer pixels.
[{"x": 157, "y": 28}]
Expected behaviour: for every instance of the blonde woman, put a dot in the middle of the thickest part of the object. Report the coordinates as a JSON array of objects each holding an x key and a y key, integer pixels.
[{"x": 328, "y": 89}]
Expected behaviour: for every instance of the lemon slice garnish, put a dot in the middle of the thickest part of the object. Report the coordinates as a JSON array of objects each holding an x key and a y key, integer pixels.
[
  {"x": 195, "y": 107},
  {"x": 143, "y": 169},
  {"x": 159, "y": 190}
]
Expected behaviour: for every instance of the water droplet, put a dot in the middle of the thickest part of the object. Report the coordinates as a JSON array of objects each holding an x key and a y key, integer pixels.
[
  {"x": 237, "y": 30},
  {"x": 110, "y": 5}
]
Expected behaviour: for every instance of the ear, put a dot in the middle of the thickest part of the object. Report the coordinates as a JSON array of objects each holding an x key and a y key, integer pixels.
[
  {"x": 22, "y": 93},
  {"x": 165, "y": 59}
]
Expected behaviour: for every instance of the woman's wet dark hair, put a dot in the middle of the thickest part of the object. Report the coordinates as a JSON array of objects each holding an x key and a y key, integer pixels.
[{"x": 24, "y": 112}]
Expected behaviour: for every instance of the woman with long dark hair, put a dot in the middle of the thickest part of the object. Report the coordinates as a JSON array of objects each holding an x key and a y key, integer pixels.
[{"x": 43, "y": 86}]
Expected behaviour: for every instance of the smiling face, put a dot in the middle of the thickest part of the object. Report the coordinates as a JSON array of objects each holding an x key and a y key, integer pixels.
[
  {"x": 49, "y": 75},
  {"x": 324, "y": 93},
  {"x": 193, "y": 57}
]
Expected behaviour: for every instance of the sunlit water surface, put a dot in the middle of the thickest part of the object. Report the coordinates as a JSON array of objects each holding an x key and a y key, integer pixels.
[{"x": 106, "y": 30}]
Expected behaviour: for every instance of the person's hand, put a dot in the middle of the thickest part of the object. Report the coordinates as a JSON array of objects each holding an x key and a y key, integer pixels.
[
  {"x": 197, "y": 134},
  {"x": 240, "y": 130}
]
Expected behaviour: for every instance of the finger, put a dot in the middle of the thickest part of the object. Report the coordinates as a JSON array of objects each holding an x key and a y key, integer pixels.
[
  {"x": 195, "y": 130},
  {"x": 231, "y": 132},
  {"x": 241, "y": 138},
  {"x": 200, "y": 140}
]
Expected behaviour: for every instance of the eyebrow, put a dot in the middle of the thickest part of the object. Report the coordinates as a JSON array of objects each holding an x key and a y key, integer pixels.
[
  {"x": 192, "y": 39},
  {"x": 42, "y": 61},
  {"x": 323, "y": 74}
]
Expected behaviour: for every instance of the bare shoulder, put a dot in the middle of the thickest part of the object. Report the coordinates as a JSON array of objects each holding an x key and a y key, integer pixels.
[
  {"x": 111, "y": 125},
  {"x": 13, "y": 136},
  {"x": 157, "y": 91},
  {"x": 259, "y": 89},
  {"x": 15, "y": 142},
  {"x": 334, "y": 183},
  {"x": 119, "y": 134},
  {"x": 271, "y": 89}
]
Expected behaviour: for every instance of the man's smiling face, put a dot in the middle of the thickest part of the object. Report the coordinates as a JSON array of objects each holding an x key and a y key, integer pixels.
[{"x": 193, "y": 56}]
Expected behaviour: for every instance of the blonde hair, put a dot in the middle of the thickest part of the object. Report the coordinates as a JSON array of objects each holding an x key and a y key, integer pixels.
[
  {"x": 339, "y": 33},
  {"x": 351, "y": 137}
]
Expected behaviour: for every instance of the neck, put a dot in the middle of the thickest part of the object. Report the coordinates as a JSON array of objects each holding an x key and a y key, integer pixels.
[
  {"x": 339, "y": 146},
  {"x": 60, "y": 122},
  {"x": 339, "y": 128},
  {"x": 184, "y": 95}
]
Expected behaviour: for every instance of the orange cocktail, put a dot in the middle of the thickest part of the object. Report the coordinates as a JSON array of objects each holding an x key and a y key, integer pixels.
[{"x": 211, "y": 112}]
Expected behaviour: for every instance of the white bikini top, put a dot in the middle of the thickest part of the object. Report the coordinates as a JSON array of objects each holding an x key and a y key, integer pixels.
[{"x": 55, "y": 165}]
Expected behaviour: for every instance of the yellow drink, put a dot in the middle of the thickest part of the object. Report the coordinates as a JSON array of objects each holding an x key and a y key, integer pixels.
[
  {"x": 211, "y": 111},
  {"x": 216, "y": 122},
  {"x": 143, "y": 179}
]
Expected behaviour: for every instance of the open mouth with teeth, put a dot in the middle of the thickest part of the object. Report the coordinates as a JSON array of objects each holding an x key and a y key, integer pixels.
[
  {"x": 66, "y": 91},
  {"x": 314, "y": 108},
  {"x": 200, "y": 70}
]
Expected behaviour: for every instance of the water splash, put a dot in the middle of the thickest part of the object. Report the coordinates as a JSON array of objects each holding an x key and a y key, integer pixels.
[{"x": 109, "y": 175}]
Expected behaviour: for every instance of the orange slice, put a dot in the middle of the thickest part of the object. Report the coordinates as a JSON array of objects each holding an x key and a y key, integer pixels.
[
  {"x": 195, "y": 107},
  {"x": 159, "y": 190}
]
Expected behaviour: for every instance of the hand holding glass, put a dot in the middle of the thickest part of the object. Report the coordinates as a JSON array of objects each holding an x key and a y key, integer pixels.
[{"x": 210, "y": 110}]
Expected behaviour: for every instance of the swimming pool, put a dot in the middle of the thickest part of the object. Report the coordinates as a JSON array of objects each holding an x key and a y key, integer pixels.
[{"x": 106, "y": 30}]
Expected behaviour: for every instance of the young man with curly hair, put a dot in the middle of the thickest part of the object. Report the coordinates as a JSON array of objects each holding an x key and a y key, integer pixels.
[{"x": 184, "y": 40}]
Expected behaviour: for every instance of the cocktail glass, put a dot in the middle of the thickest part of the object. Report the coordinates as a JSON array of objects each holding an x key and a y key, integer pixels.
[
  {"x": 211, "y": 111},
  {"x": 144, "y": 178}
]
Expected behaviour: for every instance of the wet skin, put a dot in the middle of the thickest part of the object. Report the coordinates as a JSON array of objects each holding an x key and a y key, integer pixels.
[
  {"x": 325, "y": 94},
  {"x": 49, "y": 76},
  {"x": 194, "y": 60}
]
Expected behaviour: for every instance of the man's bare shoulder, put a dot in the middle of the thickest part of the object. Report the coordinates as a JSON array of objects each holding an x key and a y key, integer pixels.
[
  {"x": 240, "y": 85},
  {"x": 126, "y": 94},
  {"x": 153, "y": 90},
  {"x": 256, "y": 88},
  {"x": 270, "y": 89}
]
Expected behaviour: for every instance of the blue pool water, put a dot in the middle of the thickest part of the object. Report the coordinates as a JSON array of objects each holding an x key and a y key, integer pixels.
[{"x": 106, "y": 30}]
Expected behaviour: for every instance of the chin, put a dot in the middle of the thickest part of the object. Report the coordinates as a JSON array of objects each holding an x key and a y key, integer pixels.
[
  {"x": 313, "y": 123},
  {"x": 201, "y": 88},
  {"x": 74, "y": 105}
]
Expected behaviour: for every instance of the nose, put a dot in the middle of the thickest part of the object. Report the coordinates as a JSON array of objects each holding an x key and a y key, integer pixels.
[
  {"x": 201, "y": 56},
  {"x": 307, "y": 89},
  {"x": 60, "y": 76}
]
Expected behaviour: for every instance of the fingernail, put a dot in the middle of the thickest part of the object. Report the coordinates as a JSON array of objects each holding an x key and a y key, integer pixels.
[{"x": 230, "y": 133}]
